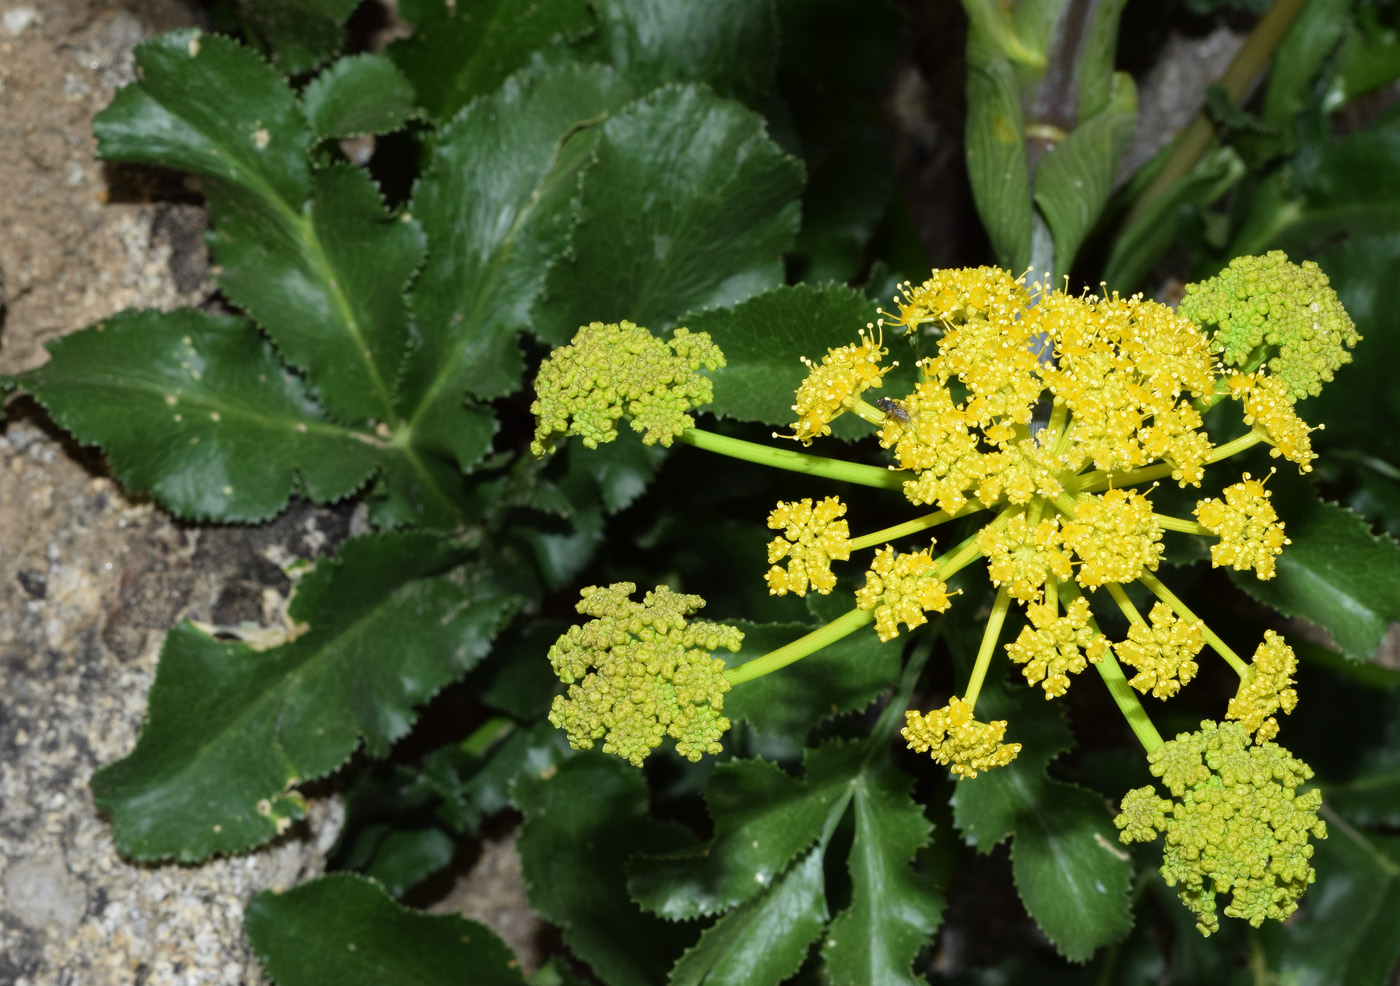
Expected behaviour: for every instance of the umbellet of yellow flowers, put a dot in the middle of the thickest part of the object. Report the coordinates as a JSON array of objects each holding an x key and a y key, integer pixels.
[{"x": 1055, "y": 416}]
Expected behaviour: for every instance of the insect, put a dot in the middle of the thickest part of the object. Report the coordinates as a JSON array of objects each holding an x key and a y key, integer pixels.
[{"x": 893, "y": 408}]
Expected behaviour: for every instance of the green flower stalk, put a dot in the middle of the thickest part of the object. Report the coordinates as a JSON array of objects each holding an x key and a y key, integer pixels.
[{"x": 1069, "y": 513}]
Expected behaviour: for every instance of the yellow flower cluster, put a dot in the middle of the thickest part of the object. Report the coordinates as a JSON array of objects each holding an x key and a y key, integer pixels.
[
  {"x": 813, "y": 536},
  {"x": 1251, "y": 535},
  {"x": 901, "y": 588},
  {"x": 954, "y": 738},
  {"x": 1269, "y": 411},
  {"x": 1163, "y": 652},
  {"x": 833, "y": 387},
  {"x": 1267, "y": 689},
  {"x": 1054, "y": 647},
  {"x": 1021, "y": 556},
  {"x": 1115, "y": 537}
]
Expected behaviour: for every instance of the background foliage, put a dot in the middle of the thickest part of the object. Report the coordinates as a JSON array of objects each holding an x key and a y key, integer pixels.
[{"x": 723, "y": 166}]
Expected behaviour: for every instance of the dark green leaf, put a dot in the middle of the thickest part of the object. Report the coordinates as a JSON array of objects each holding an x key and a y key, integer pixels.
[
  {"x": 1320, "y": 25},
  {"x": 346, "y": 930},
  {"x": 761, "y": 942},
  {"x": 1336, "y": 573},
  {"x": 208, "y": 105},
  {"x": 689, "y": 207},
  {"x": 232, "y": 728},
  {"x": 197, "y": 410},
  {"x": 842, "y": 677},
  {"x": 402, "y": 857},
  {"x": 495, "y": 206},
  {"x": 764, "y": 339},
  {"x": 894, "y": 911},
  {"x": 1072, "y": 182},
  {"x": 301, "y": 33},
  {"x": 392, "y": 829},
  {"x": 1346, "y": 935},
  {"x": 1069, "y": 870},
  {"x": 1369, "y": 57},
  {"x": 467, "y": 48},
  {"x": 996, "y": 152},
  {"x": 762, "y": 817},
  {"x": 327, "y": 285},
  {"x": 362, "y": 94},
  {"x": 730, "y": 45},
  {"x": 534, "y": 752},
  {"x": 581, "y": 824}
]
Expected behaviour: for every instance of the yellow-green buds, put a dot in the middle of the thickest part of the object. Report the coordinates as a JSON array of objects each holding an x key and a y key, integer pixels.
[
  {"x": 954, "y": 738},
  {"x": 639, "y": 672},
  {"x": 1235, "y": 824}
]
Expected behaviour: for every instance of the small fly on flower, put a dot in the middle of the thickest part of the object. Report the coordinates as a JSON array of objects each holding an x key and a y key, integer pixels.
[{"x": 894, "y": 409}]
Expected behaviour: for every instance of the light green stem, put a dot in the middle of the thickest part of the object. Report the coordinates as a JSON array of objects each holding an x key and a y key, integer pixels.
[
  {"x": 812, "y": 465},
  {"x": 1112, "y": 674},
  {"x": 1124, "y": 603},
  {"x": 1168, "y": 523},
  {"x": 801, "y": 647},
  {"x": 1159, "y": 590},
  {"x": 989, "y": 643},
  {"x": 912, "y": 526},
  {"x": 1093, "y": 482}
]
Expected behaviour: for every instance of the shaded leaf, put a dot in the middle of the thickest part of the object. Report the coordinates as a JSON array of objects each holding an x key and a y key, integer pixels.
[
  {"x": 461, "y": 50},
  {"x": 761, "y": 942},
  {"x": 894, "y": 911},
  {"x": 844, "y": 676},
  {"x": 301, "y": 33},
  {"x": 326, "y": 284},
  {"x": 764, "y": 339},
  {"x": 996, "y": 152},
  {"x": 1070, "y": 872},
  {"x": 197, "y": 410},
  {"x": 730, "y": 45},
  {"x": 597, "y": 803},
  {"x": 688, "y": 207},
  {"x": 1336, "y": 573},
  {"x": 206, "y": 104},
  {"x": 361, "y": 94},
  {"x": 762, "y": 817},
  {"x": 1346, "y": 935},
  {"x": 232, "y": 729},
  {"x": 495, "y": 207},
  {"x": 345, "y": 929}
]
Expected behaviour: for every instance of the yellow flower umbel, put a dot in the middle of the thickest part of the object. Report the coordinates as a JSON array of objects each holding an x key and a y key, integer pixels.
[{"x": 1057, "y": 416}]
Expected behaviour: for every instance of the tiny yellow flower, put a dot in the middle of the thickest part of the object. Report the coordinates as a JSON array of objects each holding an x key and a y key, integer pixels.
[
  {"x": 832, "y": 387},
  {"x": 953, "y": 297},
  {"x": 1022, "y": 556},
  {"x": 955, "y": 738},
  {"x": 1250, "y": 532},
  {"x": 813, "y": 536},
  {"x": 1054, "y": 647},
  {"x": 900, "y": 589},
  {"x": 1163, "y": 653},
  {"x": 1267, "y": 689},
  {"x": 1115, "y": 536}
]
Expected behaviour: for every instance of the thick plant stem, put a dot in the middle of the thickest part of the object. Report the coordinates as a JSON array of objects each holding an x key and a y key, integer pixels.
[
  {"x": 812, "y": 465},
  {"x": 801, "y": 647},
  {"x": 1127, "y": 701},
  {"x": 1244, "y": 69},
  {"x": 912, "y": 526}
]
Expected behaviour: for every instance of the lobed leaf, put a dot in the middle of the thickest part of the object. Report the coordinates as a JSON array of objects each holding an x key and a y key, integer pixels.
[
  {"x": 301, "y": 33},
  {"x": 763, "y": 818},
  {"x": 345, "y": 929},
  {"x": 1336, "y": 573},
  {"x": 597, "y": 802},
  {"x": 894, "y": 912},
  {"x": 360, "y": 94},
  {"x": 232, "y": 729},
  {"x": 763, "y": 941},
  {"x": 326, "y": 283},
  {"x": 495, "y": 207},
  {"x": 198, "y": 410},
  {"x": 1069, "y": 871},
  {"x": 688, "y": 207},
  {"x": 461, "y": 50}
]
